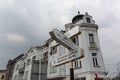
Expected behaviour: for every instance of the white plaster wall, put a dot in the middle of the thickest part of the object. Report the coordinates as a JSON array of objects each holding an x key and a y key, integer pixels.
[{"x": 87, "y": 64}]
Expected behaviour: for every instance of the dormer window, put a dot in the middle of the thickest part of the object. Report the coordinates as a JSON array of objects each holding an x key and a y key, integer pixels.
[{"x": 88, "y": 20}]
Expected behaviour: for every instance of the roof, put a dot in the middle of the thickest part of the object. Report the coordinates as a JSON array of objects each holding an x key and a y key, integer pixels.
[
  {"x": 77, "y": 17},
  {"x": 3, "y": 70}
]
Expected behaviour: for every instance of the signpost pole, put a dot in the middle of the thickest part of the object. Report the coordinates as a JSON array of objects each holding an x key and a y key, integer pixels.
[
  {"x": 66, "y": 42},
  {"x": 71, "y": 71}
]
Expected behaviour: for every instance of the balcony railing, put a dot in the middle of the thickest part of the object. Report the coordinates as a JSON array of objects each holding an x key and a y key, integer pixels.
[{"x": 93, "y": 46}]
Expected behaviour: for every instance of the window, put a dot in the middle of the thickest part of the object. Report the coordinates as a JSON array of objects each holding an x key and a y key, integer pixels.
[
  {"x": 83, "y": 78},
  {"x": 77, "y": 64},
  {"x": 80, "y": 65},
  {"x": 45, "y": 55},
  {"x": 95, "y": 61},
  {"x": 91, "y": 38},
  {"x": 75, "y": 40},
  {"x": 94, "y": 54},
  {"x": 15, "y": 78},
  {"x": 52, "y": 69},
  {"x": 17, "y": 67},
  {"x": 88, "y": 20},
  {"x": 99, "y": 79},
  {"x": 53, "y": 50},
  {"x": 2, "y": 77},
  {"x": 28, "y": 62},
  {"x": 26, "y": 75},
  {"x": 34, "y": 58}
]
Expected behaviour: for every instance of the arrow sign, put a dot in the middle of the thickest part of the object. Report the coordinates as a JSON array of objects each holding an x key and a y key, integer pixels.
[
  {"x": 62, "y": 39},
  {"x": 73, "y": 32},
  {"x": 78, "y": 53},
  {"x": 75, "y": 52}
]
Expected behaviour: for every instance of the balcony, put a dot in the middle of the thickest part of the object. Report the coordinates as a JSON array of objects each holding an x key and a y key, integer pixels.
[{"x": 93, "y": 46}]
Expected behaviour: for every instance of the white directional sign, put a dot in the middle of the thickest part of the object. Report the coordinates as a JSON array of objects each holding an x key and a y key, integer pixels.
[
  {"x": 73, "y": 32},
  {"x": 77, "y": 53},
  {"x": 62, "y": 39}
]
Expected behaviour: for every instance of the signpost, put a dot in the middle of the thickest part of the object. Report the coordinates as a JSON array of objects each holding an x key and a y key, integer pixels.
[
  {"x": 62, "y": 39},
  {"x": 75, "y": 51},
  {"x": 67, "y": 57},
  {"x": 73, "y": 32}
]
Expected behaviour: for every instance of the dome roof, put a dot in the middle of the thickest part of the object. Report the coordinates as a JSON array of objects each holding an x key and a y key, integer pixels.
[{"x": 77, "y": 18}]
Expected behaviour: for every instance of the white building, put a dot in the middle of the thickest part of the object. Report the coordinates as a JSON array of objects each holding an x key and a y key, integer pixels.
[{"x": 37, "y": 63}]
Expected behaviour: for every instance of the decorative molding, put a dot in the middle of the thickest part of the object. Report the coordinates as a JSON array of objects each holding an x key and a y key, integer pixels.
[{"x": 89, "y": 25}]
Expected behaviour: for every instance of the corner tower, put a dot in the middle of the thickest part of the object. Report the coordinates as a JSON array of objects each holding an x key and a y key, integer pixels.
[{"x": 92, "y": 65}]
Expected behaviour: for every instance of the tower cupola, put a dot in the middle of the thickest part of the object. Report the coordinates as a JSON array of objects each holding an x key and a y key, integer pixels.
[{"x": 82, "y": 18}]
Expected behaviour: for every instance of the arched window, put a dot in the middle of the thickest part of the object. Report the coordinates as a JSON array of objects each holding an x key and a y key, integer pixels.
[{"x": 88, "y": 20}]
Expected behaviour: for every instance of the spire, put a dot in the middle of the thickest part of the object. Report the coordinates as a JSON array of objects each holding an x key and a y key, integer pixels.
[{"x": 78, "y": 12}]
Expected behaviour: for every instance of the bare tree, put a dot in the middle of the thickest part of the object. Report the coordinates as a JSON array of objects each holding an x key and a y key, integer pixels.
[
  {"x": 118, "y": 72},
  {"x": 118, "y": 68}
]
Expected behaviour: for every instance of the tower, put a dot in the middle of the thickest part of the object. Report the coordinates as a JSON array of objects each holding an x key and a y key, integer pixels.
[
  {"x": 82, "y": 32},
  {"x": 92, "y": 65}
]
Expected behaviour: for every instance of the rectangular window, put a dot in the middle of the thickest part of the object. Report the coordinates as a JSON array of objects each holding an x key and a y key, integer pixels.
[
  {"x": 95, "y": 61},
  {"x": 45, "y": 54},
  {"x": 17, "y": 67},
  {"x": 83, "y": 78},
  {"x": 34, "y": 58},
  {"x": 53, "y": 50},
  {"x": 91, "y": 38},
  {"x": 52, "y": 69},
  {"x": 88, "y": 20},
  {"x": 75, "y": 40},
  {"x": 80, "y": 64},
  {"x": 94, "y": 54},
  {"x": 2, "y": 77},
  {"x": 26, "y": 75},
  {"x": 28, "y": 62},
  {"x": 99, "y": 79},
  {"x": 77, "y": 64},
  {"x": 15, "y": 78}
]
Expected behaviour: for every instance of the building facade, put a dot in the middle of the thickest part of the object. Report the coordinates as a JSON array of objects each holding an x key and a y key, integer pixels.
[
  {"x": 10, "y": 67},
  {"x": 37, "y": 63},
  {"x": 2, "y": 74},
  {"x": 87, "y": 68}
]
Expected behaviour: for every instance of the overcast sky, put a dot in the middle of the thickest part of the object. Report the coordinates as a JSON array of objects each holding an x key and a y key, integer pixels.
[{"x": 26, "y": 23}]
